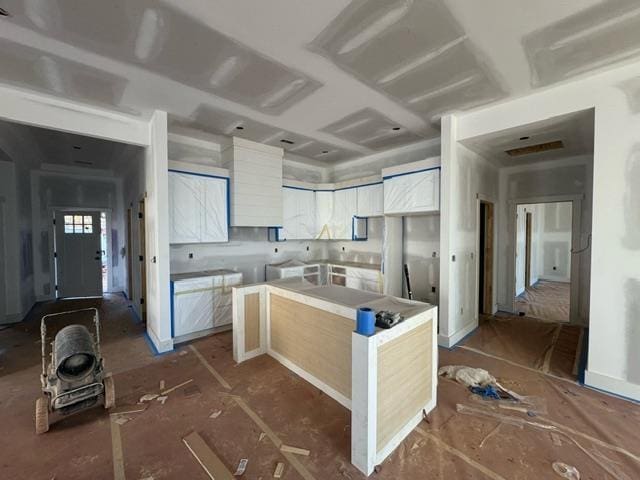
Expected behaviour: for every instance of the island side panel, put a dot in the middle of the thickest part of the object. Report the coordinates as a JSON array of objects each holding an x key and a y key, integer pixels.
[
  {"x": 315, "y": 341},
  {"x": 251, "y": 322},
  {"x": 405, "y": 379}
]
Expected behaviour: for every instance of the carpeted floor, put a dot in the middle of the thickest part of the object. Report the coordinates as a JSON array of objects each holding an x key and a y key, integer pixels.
[{"x": 546, "y": 301}]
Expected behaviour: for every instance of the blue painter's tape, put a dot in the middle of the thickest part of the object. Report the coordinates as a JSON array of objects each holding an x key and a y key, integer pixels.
[
  {"x": 199, "y": 174},
  {"x": 153, "y": 348},
  {"x": 411, "y": 173},
  {"x": 171, "y": 302}
]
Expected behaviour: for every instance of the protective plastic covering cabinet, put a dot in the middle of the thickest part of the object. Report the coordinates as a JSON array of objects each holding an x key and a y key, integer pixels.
[
  {"x": 371, "y": 200},
  {"x": 299, "y": 214},
  {"x": 202, "y": 301},
  {"x": 198, "y": 208},
  {"x": 416, "y": 192},
  {"x": 344, "y": 208}
]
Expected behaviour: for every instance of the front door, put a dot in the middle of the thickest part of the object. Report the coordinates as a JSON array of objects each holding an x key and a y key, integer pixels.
[{"x": 78, "y": 254}]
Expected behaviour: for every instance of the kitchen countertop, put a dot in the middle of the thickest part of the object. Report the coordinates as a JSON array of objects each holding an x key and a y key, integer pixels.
[
  {"x": 341, "y": 263},
  {"x": 175, "y": 277},
  {"x": 352, "y": 298}
]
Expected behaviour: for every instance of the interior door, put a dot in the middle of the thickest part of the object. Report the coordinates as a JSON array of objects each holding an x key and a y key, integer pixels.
[{"x": 78, "y": 254}]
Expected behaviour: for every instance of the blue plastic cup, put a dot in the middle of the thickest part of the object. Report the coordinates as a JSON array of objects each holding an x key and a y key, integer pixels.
[{"x": 366, "y": 321}]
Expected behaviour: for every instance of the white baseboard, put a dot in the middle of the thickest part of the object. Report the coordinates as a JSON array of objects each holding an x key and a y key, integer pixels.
[
  {"x": 613, "y": 385},
  {"x": 161, "y": 346},
  {"x": 452, "y": 340}
]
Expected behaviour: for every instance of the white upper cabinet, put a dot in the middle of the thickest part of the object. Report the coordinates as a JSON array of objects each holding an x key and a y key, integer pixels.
[
  {"x": 344, "y": 209},
  {"x": 299, "y": 212},
  {"x": 256, "y": 183},
  {"x": 416, "y": 192},
  {"x": 198, "y": 208},
  {"x": 324, "y": 215},
  {"x": 371, "y": 200}
]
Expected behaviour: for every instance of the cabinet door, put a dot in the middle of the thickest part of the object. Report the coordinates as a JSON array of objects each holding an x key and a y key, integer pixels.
[
  {"x": 290, "y": 214},
  {"x": 185, "y": 205},
  {"x": 344, "y": 208},
  {"x": 214, "y": 212},
  {"x": 412, "y": 193},
  {"x": 371, "y": 200},
  {"x": 306, "y": 202},
  {"x": 193, "y": 306},
  {"x": 324, "y": 215}
]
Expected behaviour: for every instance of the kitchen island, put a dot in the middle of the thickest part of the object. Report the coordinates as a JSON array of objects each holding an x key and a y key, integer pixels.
[{"x": 388, "y": 380}]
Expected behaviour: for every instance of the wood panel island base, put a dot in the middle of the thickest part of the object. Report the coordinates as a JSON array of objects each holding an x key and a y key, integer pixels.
[{"x": 387, "y": 380}]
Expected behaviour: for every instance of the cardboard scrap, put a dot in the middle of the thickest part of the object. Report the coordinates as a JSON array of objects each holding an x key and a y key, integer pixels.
[
  {"x": 165, "y": 392},
  {"x": 148, "y": 397},
  {"x": 208, "y": 460},
  {"x": 262, "y": 435},
  {"x": 555, "y": 438},
  {"x": 161, "y": 385},
  {"x": 279, "y": 470},
  {"x": 242, "y": 466},
  {"x": 216, "y": 414},
  {"x": 162, "y": 399},
  {"x": 121, "y": 420},
  {"x": 296, "y": 450}
]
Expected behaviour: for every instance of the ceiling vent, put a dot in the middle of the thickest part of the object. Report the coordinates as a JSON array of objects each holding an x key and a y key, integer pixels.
[{"x": 539, "y": 148}]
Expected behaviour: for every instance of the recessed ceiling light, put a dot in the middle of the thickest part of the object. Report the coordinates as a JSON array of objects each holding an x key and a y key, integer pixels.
[
  {"x": 239, "y": 127},
  {"x": 525, "y": 138},
  {"x": 395, "y": 129},
  {"x": 4, "y": 13},
  {"x": 77, "y": 147},
  {"x": 325, "y": 151},
  {"x": 288, "y": 142}
]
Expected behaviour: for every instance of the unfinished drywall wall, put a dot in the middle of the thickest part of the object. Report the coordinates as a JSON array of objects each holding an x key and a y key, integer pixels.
[
  {"x": 369, "y": 251},
  {"x": 57, "y": 191},
  {"x": 421, "y": 253},
  {"x": 466, "y": 177},
  {"x": 571, "y": 177},
  {"x": 248, "y": 251},
  {"x": 371, "y": 165},
  {"x": 554, "y": 242},
  {"x": 133, "y": 188},
  {"x": 615, "y": 262}
]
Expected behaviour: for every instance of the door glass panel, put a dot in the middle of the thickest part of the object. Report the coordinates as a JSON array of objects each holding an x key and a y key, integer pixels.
[
  {"x": 88, "y": 219},
  {"x": 68, "y": 219}
]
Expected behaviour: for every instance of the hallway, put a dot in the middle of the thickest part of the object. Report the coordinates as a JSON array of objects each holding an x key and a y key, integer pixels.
[{"x": 545, "y": 300}]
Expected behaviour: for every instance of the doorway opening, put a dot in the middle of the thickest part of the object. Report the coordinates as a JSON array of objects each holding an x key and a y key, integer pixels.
[
  {"x": 543, "y": 260},
  {"x": 81, "y": 253},
  {"x": 486, "y": 258}
]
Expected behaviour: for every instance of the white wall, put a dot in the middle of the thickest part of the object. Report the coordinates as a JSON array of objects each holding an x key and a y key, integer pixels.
[
  {"x": 556, "y": 178},
  {"x": 614, "y": 356},
  {"x": 369, "y": 251},
  {"x": 56, "y": 190},
  {"x": 421, "y": 251},
  {"x": 465, "y": 177}
]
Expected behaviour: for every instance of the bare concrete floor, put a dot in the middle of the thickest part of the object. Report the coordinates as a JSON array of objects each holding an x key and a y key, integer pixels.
[{"x": 596, "y": 433}]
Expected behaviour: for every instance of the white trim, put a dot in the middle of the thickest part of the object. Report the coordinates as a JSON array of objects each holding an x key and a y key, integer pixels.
[
  {"x": 161, "y": 346},
  {"x": 615, "y": 386},
  {"x": 364, "y": 399},
  {"x": 576, "y": 235},
  {"x": 197, "y": 168},
  {"x": 337, "y": 396},
  {"x": 453, "y": 340}
]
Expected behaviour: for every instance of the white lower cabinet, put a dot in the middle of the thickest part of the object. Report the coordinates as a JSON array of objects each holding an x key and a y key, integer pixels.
[
  {"x": 417, "y": 192},
  {"x": 201, "y": 302}
]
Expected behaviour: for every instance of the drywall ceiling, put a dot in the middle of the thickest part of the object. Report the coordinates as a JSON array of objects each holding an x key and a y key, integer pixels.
[
  {"x": 288, "y": 68},
  {"x": 65, "y": 149},
  {"x": 575, "y": 131}
]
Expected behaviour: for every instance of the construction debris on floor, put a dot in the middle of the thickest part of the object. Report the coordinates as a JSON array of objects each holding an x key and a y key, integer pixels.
[{"x": 261, "y": 412}]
